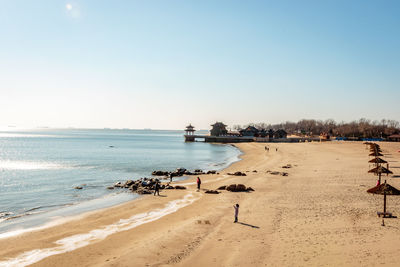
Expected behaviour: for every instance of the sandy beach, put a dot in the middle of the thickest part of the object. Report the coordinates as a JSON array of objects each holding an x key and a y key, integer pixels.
[{"x": 318, "y": 215}]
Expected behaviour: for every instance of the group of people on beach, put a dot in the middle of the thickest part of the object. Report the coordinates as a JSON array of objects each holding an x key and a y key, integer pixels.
[{"x": 267, "y": 149}]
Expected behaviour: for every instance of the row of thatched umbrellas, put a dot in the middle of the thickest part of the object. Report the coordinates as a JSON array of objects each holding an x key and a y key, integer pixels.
[{"x": 385, "y": 188}]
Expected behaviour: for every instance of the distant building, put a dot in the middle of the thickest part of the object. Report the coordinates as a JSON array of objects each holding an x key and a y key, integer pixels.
[
  {"x": 270, "y": 133},
  {"x": 263, "y": 133},
  {"x": 233, "y": 133},
  {"x": 249, "y": 131},
  {"x": 189, "y": 133},
  {"x": 252, "y": 131},
  {"x": 190, "y": 130},
  {"x": 280, "y": 134},
  {"x": 218, "y": 129},
  {"x": 394, "y": 137}
]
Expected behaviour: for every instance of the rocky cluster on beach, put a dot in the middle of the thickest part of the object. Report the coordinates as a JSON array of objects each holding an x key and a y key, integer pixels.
[
  {"x": 287, "y": 166},
  {"x": 180, "y": 172},
  {"x": 278, "y": 173},
  {"x": 231, "y": 188},
  {"x": 143, "y": 185},
  {"x": 147, "y": 185},
  {"x": 236, "y": 188},
  {"x": 238, "y": 173}
]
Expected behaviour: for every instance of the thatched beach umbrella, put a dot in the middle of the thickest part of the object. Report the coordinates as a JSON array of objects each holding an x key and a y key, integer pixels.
[
  {"x": 377, "y": 161},
  {"x": 375, "y": 149},
  {"x": 367, "y": 144},
  {"x": 376, "y": 154},
  {"x": 384, "y": 189},
  {"x": 379, "y": 170}
]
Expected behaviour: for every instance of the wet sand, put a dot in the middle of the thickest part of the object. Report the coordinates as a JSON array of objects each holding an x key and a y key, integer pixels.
[{"x": 318, "y": 215}]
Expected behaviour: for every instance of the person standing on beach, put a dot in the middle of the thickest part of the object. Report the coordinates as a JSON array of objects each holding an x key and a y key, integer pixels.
[
  {"x": 236, "y": 207},
  {"x": 157, "y": 188},
  {"x": 198, "y": 183}
]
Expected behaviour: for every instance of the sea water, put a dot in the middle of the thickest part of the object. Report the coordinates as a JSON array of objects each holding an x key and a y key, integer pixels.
[{"x": 40, "y": 168}]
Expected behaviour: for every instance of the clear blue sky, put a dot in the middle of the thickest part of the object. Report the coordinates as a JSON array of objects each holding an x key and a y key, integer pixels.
[{"x": 163, "y": 64}]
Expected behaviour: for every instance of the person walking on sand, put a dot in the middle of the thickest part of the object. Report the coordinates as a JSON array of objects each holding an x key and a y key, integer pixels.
[
  {"x": 236, "y": 207},
  {"x": 157, "y": 188},
  {"x": 198, "y": 183}
]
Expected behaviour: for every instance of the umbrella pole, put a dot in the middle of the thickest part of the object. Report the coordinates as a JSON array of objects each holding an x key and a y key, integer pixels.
[
  {"x": 379, "y": 178},
  {"x": 384, "y": 204}
]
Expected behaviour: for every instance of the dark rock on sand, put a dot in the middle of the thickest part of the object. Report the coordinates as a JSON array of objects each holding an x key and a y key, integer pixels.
[
  {"x": 237, "y": 188},
  {"x": 160, "y": 173},
  {"x": 180, "y": 187},
  {"x": 143, "y": 191},
  {"x": 249, "y": 189},
  {"x": 222, "y": 187},
  {"x": 211, "y": 192},
  {"x": 78, "y": 187},
  {"x": 211, "y": 172},
  {"x": 128, "y": 183},
  {"x": 133, "y": 187},
  {"x": 278, "y": 173},
  {"x": 240, "y": 188},
  {"x": 237, "y": 174},
  {"x": 110, "y": 187},
  {"x": 180, "y": 171},
  {"x": 231, "y": 188}
]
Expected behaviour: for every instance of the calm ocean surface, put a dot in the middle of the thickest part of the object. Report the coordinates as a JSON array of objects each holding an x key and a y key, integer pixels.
[{"x": 39, "y": 169}]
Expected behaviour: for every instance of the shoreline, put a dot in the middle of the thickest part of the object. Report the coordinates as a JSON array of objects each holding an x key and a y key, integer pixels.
[
  {"x": 66, "y": 212},
  {"x": 60, "y": 222},
  {"x": 320, "y": 210}
]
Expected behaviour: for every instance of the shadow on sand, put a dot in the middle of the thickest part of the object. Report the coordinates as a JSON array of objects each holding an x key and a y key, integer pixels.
[{"x": 246, "y": 224}]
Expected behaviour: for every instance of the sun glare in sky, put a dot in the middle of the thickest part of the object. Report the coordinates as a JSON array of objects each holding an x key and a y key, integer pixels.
[{"x": 68, "y": 6}]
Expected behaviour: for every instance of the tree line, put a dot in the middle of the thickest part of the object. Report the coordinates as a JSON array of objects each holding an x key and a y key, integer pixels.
[{"x": 363, "y": 128}]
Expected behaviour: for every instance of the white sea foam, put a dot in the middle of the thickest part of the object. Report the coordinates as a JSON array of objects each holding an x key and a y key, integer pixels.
[
  {"x": 28, "y": 165},
  {"x": 77, "y": 241}
]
